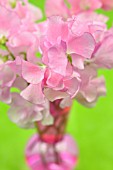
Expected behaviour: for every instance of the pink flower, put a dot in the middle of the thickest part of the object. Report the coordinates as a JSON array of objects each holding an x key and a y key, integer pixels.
[
  {"x": 82, "y": 5},
  {"x": 107, "y": 4},
  {"x": 25, "y": 114},
  {"x": 28, "y": 11},
  {"x": 20, "y": 43},
  {"x": 43, "y": 84},
  {"x": 67, "y": 41},
  {"x": 103, "y": 57},
  {"x": 56, "y": 8},
  {"x": 59, "y": 7},
  {"x": 92, "y": 87},
  {"x": 7, "y": 78},
  {"x": 8, "y": 25}
]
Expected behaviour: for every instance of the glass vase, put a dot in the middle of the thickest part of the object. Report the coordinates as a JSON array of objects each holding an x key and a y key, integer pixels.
[{"x": 51, "y": 148}]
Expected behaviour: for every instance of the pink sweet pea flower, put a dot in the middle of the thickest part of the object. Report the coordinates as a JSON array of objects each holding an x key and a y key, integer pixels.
[
  {"x": 92, "y": 87},
  {"x": 33, "y": 74},
  {"x": 59, "y": 7},
  {"x": 56, "y": 8},
  {"x": 28, "y": 11},
  {"x": 107, "y": 4},
  {"x": 82, "y": 5},
  {"x": 24, "y": 113},
  {"x": 7, "y": 78},
  {"x": 8, "y": 25},
  {"x": 103, "y": 57},
  {"x": 65, "y": 42}
]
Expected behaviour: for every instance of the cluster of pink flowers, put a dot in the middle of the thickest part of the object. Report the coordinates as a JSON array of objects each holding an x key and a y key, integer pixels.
[
  {"x": 44, "y": 66},
  {"x": 57, "y": 59},
  {"x": 60, "y": 7}
]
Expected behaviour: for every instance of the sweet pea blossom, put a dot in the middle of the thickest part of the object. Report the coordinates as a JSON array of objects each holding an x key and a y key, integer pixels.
[
  {"x": 76, "y": 6},
  {"x": 71, "y": 51},
  {"x": 107, "y": 4},
  {"x": 7, "y": 78},
  {"x": 56, "y": 8},
  {"x": 51, "y": 64},
  {"x": 8, "y": 26},
  {"x": 25, "y": 114},
  {"x": 28, "y": 11},
  {"x": 79, "y": 6},
  {"x": 92, "y": 87}
]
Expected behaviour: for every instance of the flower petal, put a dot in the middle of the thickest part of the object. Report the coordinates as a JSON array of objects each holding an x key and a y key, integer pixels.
[
  {"x": 34, "y": 94},
  {"x": 83, "y": 45},
  {"x": 32, "y": 73}
]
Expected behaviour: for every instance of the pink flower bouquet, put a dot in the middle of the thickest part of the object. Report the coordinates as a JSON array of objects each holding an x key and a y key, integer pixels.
[{"x": 52, "y": 63}]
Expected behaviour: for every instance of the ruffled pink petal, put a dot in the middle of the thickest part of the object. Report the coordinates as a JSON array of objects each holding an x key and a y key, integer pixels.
[
  {"x": 32, "y": 73},
  {"x": 78, "y": 6},
  {"x": 35, "y": 12},
  {"x": 77, "y": 61},
  {"x": 56, "y": 28},
  {"x": 23, "y": 112},
  {"x": 57, "y": 60},
  {"x": 93, "y": 90},
  {"x": 5, "y": 95},
  {"x": 72, "y": 86},
  {"x": 89, "y": 16},
  {"x": 55, "y": 80},
  {"x": 66, "y": 102},
  {"x": 104, "y": 54},
  {"x": 7, "y": 76},
  {"x": 53, "y": 95},
  {"x": 56, "y": 8},
  {"x": 34, "y": 94},
  {"x": 83, "y": 45},
  {"x": 28, "y": 11},
  {"x": 107, "y": 4},
  {"x": 7, "y": 24},
  {"x": 20, "y": 83}
]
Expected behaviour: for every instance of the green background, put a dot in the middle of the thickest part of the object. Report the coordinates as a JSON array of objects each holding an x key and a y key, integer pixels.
[{"x": 92, "y": 129}]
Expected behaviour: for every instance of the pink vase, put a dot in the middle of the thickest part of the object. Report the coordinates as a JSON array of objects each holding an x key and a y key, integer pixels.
[{"x": 51, "y": 149}]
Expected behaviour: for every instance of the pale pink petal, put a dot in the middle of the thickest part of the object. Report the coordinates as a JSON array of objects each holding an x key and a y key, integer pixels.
[
  {"x": 83, "y": 45},
  {"x": 93, "y": 90},
  {"x": 56, "y": 8},
  {"x": 78, "y": 28},
  {"x": 32, "y": 73},
  {"x": 107, "y": 4},
  {"x": 23, "y": 112},
  {"x": 16, "y": 66},
  {"x": 66, "y": 102},
  {"x": 89, "y": 16},
  {"x": 22, "y": 39},
  {"x": 56, "y": 28},
  {"x": 20, "y": 83},
  {"x": 77, "y": 61},
  {"x": 55, "y": 80},
  {"x": 78, "y": 6},
  {"x": 5, "y": 95},
  {"x": 35, "y": 12},
  {"x": 34, "y": 94},
  {"x": 28, "y": 11},
  {"x": 53, "y": 95},
  {"x": 72, "y": 86},
  {"x": 103, "y": 57},
  {"x": 7, "y": 24},
  {"x": 57, "y": 60},
  {"x": 7, "y": 76}
]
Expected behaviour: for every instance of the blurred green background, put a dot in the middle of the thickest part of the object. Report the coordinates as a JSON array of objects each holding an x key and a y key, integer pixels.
[{"x": 92, "y": 129}]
